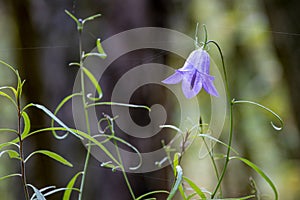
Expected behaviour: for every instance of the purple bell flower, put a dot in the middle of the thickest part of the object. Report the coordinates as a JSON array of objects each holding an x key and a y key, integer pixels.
[{"x": 194, "y": 75}]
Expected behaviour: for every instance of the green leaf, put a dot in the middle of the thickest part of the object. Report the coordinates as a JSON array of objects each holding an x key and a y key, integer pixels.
[
  {"x": 9, "y": 98},
  {"x": 195, "y": 187},
  {"x": 70, "y": 186},
  {"x": 79, "y": 24},
  {"x": 118, "y": 104},
  {"x": 241, "y": 198},
  {"x": 26, "y": 123},
  {"x": 100, "y": 48},
  {"x": 6, "y": 144},
  {"x": 260, "y": 172},
  {"x": 181, "y": 191},
  {"x": 8, "y": 130},
  {"x": 9, "y": 66},
  {"x": 72, "y": 16},
  {"x": 91, "y": 18},
  {"x": 88, "y": 137},
  {"x": 175, "y": 162},
  {"x": 150, "y": 193},
  {"x": 177, "y": 182},
  {"x": 74, "y": 64},
  {"x": 59, "y": 190},
  {"x": 65, "y": 100},
  {"x": 50, "y": 114},
  {"x": 9, "y": 88},
  {"x": 52, "y": 155},
  {"x": 191, "y": 196},
  {"x": 218, "y": 141},
  {"x": 95, "y": 54},
  {"x": 37, "y": 193},
  {"x": 95, "y": 83},
  {"x": 11, "y": 153},
  {"x": 19, "y": 87},
  {"x": 9, "y": 176}
]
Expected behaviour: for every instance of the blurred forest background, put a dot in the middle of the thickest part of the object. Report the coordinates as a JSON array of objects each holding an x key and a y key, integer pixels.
[{"x": 261, "y": 45}]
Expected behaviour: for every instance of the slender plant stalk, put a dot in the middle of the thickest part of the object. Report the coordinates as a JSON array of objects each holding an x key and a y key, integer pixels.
[
  {"x": 120, "y": 159},
  {"x": 230, "y": 120},
  {"x": 22, "y": 163},
  {"x": 87, "y": 157},
  {"x": 123, "y": 171},
  {"x": 211, "y": 156}
]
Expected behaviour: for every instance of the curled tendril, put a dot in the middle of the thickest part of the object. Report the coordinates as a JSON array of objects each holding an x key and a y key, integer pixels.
[
  {"x": 110, "y": 127},
  {"x": 277, "y": 128}
]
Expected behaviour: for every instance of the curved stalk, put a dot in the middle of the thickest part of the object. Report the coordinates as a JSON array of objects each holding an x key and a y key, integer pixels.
[{"x": 230, "y": 120}]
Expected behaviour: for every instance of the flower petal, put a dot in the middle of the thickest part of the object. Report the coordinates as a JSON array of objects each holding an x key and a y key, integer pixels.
[
  {"x": 188, "y": 66},
  {"x": 174, "y": 79},
  {"x": 205, "y": 62},
  {"x": 190, "y": 90},
  {"x": 209, "y": 86},
  {"x": 202, "y": 61}
]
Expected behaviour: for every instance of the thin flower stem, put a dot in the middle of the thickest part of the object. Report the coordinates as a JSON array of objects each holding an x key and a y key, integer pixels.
[
  {"x": 87, "y": 157},
  {"x": 123, "y": 171},
  {"x": 230, "y": 120},
  {"x": 110, "y": 121},
  {"x": 22, "y": 162},
  {"x": 205, "y": 36},
  {"x": 210, "y": 154}
]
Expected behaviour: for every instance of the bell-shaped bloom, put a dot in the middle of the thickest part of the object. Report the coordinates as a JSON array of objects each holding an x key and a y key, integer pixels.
[{"x": 194, "y": 75}]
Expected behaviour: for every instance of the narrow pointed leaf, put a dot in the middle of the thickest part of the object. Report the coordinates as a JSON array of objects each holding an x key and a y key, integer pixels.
[
  {"x": 95, "y": 84},
  {"x": 195, "y": 187},
  {"x": 8, "y": 130},
  {"x": 73, "y": 17},
  {"x": 177, "y": 182},
  {"x": 52, "y": 155},
  {"x": 70, "y": 186},
  {"x": 150, "y": 193},
  {"x": 118, "y": 104},
  {"x": 241, "y": 198},
  {"x": 59, "y": 190},
  {"x": 9, "y": 88},
  {"x": 176, "y": 162},
  {"x": 50, "y": 114},
  {"x": 9, "y": 98},
  {"x": 9, "y": 176},
  {"x": 9, "y": 66},
  {"x": 6, "y": 144},
  {"x": 100, "y": 48},
  {"x": 91, "y": 18},
  {"x": 11, "y": 153},
  {"x": 37, "y": 194},
  {"x": 218, "y": 141},
  {"x": 61, "y": 104},
  {"x": 260, "y": 172},
  {"x": 26, "y": 123},
  {"x": 95, "y": 54}
]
